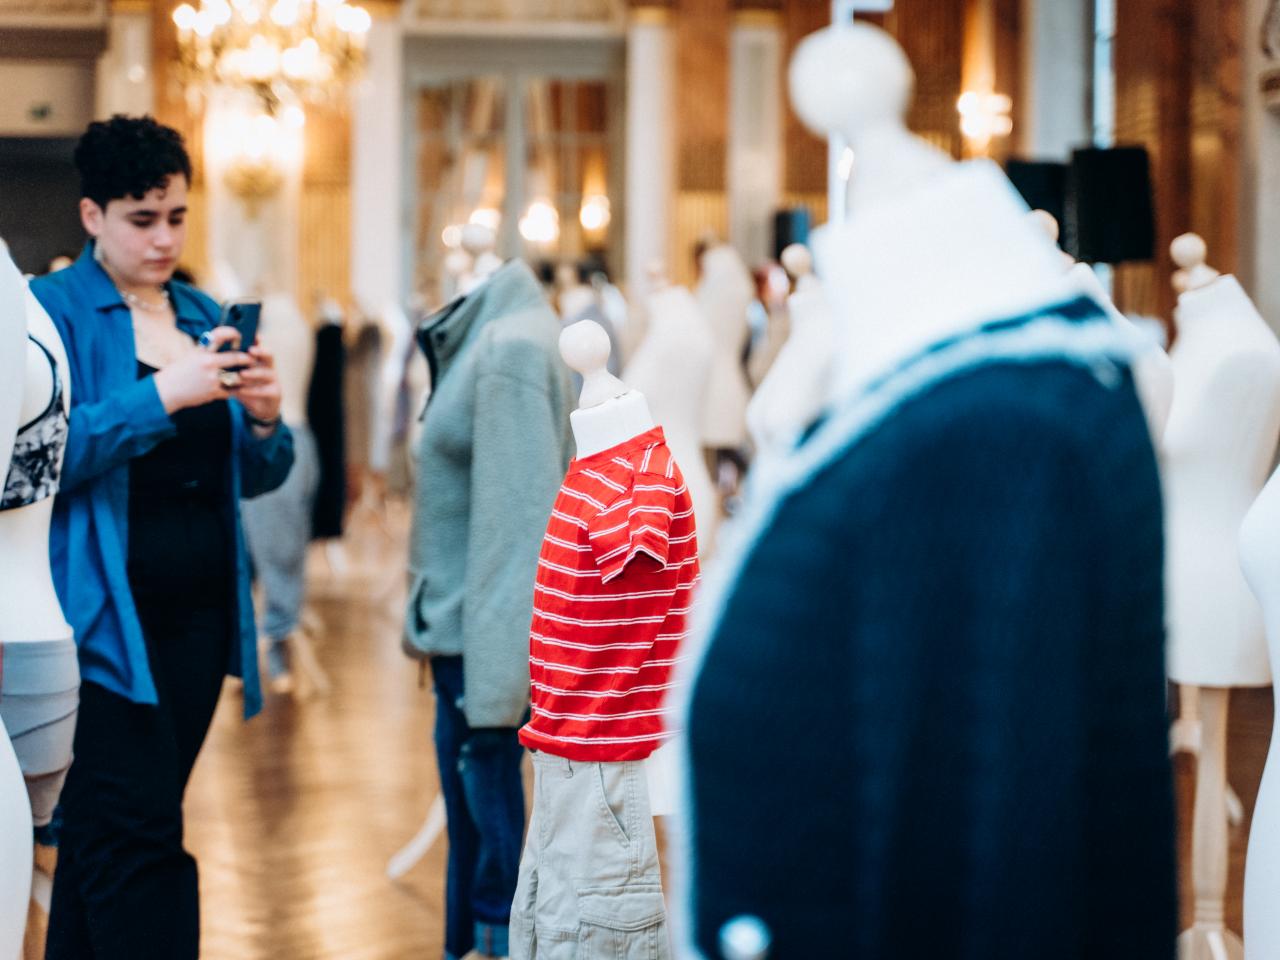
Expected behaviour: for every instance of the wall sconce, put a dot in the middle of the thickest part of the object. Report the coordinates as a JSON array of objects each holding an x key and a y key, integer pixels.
[
  {"x": 984, "y": 116},
  {"x": 540, "y": 223},
  {"x": 595, "y": 214}
]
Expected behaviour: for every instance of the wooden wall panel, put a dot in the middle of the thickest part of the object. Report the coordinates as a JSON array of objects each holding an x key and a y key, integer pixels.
[
  {"x": 932, "y": 34},
  {"x": 805, "y": 156},
  {"x": 702, "y": 94},
  {"x": 1178, "y": 77}
]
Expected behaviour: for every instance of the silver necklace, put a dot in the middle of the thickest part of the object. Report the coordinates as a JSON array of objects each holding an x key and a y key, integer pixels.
[{"x": 136, "y": 301}]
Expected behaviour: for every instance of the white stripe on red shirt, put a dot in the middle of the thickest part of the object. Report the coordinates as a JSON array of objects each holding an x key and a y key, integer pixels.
[{"x": 618, "y": 567}]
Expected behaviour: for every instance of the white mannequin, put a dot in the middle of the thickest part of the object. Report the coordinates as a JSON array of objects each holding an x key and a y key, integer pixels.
[
  {"x": 610, "y": 413},
  {"x": 723, "y": 293},
  {"x": 480, "y": 242},
  {"x": 573, "y": 296},
  {"x": 397, "y": 340},
  {"x": 1219, "y": 444},
  {"x": 1260, "y": 559},
  {"x": 29, "y": 607},
  {"x": 909, "y": 206},
  {"x": 1152, "y": 368},
  {"x": 797, "y": 385},
  {"x": 671, "y": 368},
  {"x": 285, "y": 331},
  {"x": 855, "y": 81}
]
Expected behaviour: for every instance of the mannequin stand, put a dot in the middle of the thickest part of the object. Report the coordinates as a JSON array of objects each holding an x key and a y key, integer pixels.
[
  {"x": 417, "y": 848},
  {"x": 1208, "y": 937},
  {"x": 1185, "y": 735}
]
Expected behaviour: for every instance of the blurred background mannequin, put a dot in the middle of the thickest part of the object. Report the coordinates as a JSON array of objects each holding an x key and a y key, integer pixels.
[
  {"x": 1218, "y": 448},
  {"x": 671, "y": 367}
]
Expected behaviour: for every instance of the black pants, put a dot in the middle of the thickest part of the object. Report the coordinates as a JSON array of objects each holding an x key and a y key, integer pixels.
[{"x": 125, "y": 887}]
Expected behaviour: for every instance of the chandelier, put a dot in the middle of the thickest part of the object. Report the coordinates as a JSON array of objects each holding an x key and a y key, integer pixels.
[{"x": 281, "y": 50}]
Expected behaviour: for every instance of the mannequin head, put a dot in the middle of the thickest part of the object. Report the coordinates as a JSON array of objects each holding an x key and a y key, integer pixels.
[
  {"x": 134, "y": 174},
  {"x": 798, "y": 260},
  {"x": 584, "y": 346},
  {"x": 850, "y": 79},
  {"x": 1189, "y": 252}
]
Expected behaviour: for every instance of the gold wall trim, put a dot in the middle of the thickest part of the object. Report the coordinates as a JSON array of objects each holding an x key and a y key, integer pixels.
[
  {"x": 650, "y": 16},
  {"x": 755, "y": 17}
]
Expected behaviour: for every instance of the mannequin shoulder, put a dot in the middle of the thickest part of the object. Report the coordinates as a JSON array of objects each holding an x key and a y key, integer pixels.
[
  {"x": 1008, "y": 414},
  {"x": 521, "y": 342}
]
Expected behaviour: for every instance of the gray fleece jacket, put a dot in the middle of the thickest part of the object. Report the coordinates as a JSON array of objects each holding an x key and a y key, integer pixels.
[{"x": 494, "y": 449}]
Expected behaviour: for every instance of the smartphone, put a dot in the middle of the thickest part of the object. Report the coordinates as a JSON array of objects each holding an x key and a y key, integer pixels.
[{"x": 243, "y": 315}]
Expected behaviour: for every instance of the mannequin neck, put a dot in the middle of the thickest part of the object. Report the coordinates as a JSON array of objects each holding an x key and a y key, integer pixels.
[
  {"x": 889, "y": 161},
  {"x": 955, "y": 252},
  {"x": 608, "y": 424}
]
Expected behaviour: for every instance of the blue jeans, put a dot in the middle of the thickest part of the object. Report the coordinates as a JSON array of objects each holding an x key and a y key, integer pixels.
[{"x": 484, "y": 803}]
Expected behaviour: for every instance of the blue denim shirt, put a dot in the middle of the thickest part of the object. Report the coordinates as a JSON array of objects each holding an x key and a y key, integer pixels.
[{"x": 114, "y": 418}]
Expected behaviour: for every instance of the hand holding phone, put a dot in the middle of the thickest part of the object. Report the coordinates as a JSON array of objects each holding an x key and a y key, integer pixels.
[{"x": 242, "y": 316}]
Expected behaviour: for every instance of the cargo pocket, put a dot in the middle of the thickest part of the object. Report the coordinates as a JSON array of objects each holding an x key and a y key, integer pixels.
[{"x": 626, "y": 923}]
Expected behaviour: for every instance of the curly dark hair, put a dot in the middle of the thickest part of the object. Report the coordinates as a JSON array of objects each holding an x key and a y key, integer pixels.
[{"x": 128, "y": 157}]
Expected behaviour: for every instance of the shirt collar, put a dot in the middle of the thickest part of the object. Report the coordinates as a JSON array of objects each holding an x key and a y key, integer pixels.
[
  {"x": 511, "y": 288},
  {"x": 956, "y": 252},
  {"x": 103, "y": 295}
]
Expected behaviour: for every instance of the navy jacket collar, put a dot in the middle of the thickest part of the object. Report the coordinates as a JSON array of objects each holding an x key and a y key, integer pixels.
[{"x": 102, "y": 294}]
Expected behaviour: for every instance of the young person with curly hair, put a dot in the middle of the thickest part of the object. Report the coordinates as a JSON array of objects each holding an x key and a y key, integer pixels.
[{"x": 147, "y": 549}]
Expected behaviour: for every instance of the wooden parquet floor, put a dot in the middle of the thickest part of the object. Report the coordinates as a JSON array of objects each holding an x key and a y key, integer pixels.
[{"x": 294, "y": 816}]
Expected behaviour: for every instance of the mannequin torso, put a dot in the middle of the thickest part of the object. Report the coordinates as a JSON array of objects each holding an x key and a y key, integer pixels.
[
  {"x": 286, "y": 332},
  {"x": 28, "y": 603},
  {"x": 797, "y": 385},
  {"x": 1218, "y": 447},
  {"x": 1260, "y": 560},
  {"x": 671, "y": 368},
  {"x": 723, "y": 294}
]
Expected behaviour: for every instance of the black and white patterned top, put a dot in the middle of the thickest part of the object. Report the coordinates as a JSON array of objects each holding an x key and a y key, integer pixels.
[{"x": 37, "y": 453}]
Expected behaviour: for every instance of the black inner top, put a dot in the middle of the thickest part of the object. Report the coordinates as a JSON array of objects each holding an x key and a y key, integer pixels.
[{"x": 180, "y": 542}]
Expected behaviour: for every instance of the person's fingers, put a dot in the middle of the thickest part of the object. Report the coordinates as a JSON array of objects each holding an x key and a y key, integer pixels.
[
  {"x": 219, "y": 337},
  {"x": 231, "y": 358},
  {"x": 262, "y": 355},
  {"x": 260, "y": 375}
]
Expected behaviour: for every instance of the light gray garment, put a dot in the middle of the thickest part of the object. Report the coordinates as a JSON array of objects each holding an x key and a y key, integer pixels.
[
  {"x": 589, "y": 885},
  {"x": 494, "y": 448},
  {"x": 277, "y": 529},
  {"x": 39, "y": 700}
]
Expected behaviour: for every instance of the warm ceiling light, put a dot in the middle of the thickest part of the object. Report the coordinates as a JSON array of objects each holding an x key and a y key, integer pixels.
[{"x": 287, "y": 50}]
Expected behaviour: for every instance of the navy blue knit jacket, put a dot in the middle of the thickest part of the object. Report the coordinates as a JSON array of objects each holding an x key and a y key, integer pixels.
[{"x": 930, "y": 720}]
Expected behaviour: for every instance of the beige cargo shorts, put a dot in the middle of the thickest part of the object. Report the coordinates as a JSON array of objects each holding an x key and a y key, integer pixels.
[{"x": 590, "y": 886}]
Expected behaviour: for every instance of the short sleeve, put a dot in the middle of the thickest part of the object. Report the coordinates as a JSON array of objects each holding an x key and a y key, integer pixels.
[{"x": 637, "y": 522}]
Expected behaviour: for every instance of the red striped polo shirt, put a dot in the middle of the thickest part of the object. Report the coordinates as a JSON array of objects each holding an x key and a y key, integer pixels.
[{"x": 615, "y": 580}]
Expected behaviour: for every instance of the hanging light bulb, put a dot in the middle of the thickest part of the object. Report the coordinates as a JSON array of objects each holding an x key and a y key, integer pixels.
[{"x": 540, "y": 223}]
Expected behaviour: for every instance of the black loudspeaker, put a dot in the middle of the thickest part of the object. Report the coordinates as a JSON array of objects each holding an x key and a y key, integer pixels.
[
  {"x": 790, "y": 226},
  {"x": 1043, "y": 184},
  {"x": 1110, "y": 216}
]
